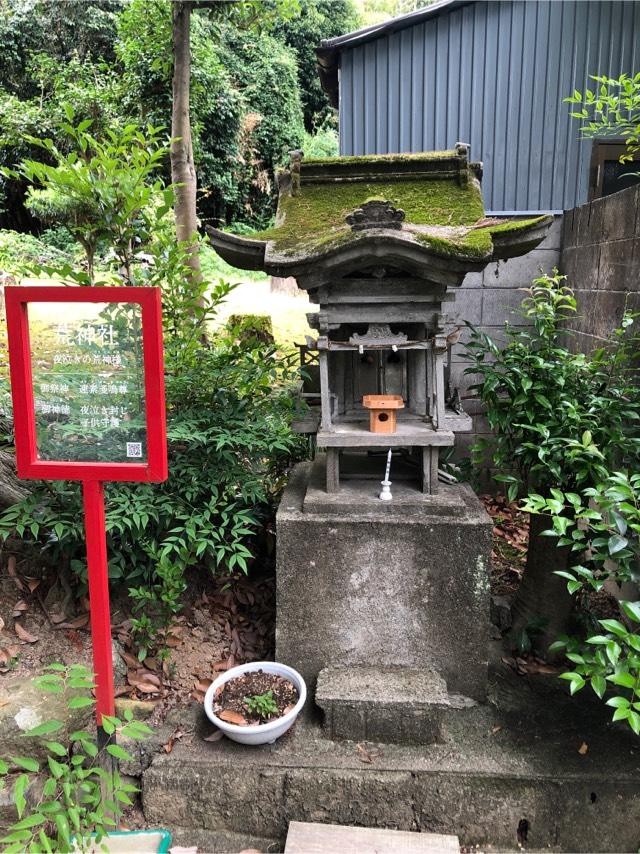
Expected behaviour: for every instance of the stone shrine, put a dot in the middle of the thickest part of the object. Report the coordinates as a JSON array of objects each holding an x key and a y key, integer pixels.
[{"x": 385, "y": 604}]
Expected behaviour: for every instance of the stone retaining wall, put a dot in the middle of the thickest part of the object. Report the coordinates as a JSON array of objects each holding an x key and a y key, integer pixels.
[{"x": 601, "y": 258}]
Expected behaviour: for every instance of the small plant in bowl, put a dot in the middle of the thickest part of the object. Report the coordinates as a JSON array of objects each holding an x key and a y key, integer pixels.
[
  {"x": 256, "y": 703},
  {"x": 262, "y": 705}
]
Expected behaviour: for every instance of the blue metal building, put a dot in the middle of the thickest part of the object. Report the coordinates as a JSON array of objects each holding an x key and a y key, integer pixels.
[{"x": 490, "y": 73}]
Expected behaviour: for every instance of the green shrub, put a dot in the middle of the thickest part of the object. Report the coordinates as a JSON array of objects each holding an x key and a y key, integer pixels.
[
  {"x": 541, "y": 398},
  {"x": 77, "y": 797},
  {"x": 601, "y": 525},
  {"x": 229, "y": 409}
]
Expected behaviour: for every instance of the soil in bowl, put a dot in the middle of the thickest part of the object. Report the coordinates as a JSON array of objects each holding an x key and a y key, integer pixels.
[{"x": 252, "y": 699}]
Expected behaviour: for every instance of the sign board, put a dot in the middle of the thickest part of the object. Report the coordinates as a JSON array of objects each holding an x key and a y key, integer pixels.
[{"x": 87, "y": 382}]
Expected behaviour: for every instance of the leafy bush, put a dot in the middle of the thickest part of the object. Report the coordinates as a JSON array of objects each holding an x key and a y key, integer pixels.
[
  {"x": 70, "y": 805},
  {"x": 229, "y": 409},
  {"x": 611, "y": 108},
  {"x": 562, "y": 420},
  {"x": 542, "y": 400},
  {"x": 601, "y": 525}
]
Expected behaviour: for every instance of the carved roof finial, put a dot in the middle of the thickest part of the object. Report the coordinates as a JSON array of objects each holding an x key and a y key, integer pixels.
[{"x": 376, "y": 213}]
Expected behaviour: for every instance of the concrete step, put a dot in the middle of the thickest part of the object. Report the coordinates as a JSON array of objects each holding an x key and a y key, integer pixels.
[
  {"x": 395, "y": 705},
  {"x": 311, "y": 838},
  {"x": 508, "y": 773}
]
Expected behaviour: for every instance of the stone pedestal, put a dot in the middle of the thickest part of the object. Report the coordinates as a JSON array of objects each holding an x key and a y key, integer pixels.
[{"x": 361, "y": 584}]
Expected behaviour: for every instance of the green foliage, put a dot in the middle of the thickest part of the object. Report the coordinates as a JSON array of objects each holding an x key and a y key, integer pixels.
[
  {"x": 69, "y": 804},
  {"x": 303, "y": 32},
  {"x": 322, "y": 143},
  {"x": 18, "y": 250},
  {"x": 601, "y": 525},
  {"x": 101, "y": 190},
  {"x": 559, "y": 418},
  {"x": 612, "y": 108},
  {"x": 273, "y": 122},
  {"x": 263, "y": 705},
  {"x": 229, "y": 409}
]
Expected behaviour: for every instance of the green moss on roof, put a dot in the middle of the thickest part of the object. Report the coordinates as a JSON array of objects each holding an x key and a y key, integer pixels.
[
  {"x": 377, "y": 158},
  {"x": 317, "y": 214},
  {"x": 476, "y": 243}
]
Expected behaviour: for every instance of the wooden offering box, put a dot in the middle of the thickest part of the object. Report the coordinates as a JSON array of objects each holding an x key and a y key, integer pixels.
[{"x": 382, "y": 415}]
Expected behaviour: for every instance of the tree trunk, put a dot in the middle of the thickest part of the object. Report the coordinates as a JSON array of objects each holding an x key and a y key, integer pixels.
[
  {"x": 183, "y": 173},
  {"x": 542, "y": 595},
  {"x": 12, "y": 490}
]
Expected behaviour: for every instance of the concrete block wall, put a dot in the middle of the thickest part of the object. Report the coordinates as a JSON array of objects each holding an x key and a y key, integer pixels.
[
  {"x": 601, "y": 258},
  {"x": 488, "y": 300}
]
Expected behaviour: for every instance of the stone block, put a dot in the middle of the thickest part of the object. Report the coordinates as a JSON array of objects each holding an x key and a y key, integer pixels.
[
  {"x": 372, "y": 588},
  {"x": 619, "y": 268},
  {"x": 520, "y": 272},
  {"x": 471, "y": 280},
  {"x": 619, "y": 214},
  {"x": 569, "y": 229},
  {"x": 599, "y": 312},
  {"x": 396, "y": 705},
  {"x": 502, "y": 305},
  {"x": 581, "y": 265},
  {"x": 510, "y": 774},
  {"x": 553, "y": 240},
  {"x": 467, "y": 307}
]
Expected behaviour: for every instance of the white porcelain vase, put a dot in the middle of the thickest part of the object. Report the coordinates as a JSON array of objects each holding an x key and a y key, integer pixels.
[{"x": 261, "y": 733}]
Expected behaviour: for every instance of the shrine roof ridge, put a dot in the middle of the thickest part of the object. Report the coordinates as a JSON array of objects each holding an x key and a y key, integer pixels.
[{"x": 427, "y": 206}]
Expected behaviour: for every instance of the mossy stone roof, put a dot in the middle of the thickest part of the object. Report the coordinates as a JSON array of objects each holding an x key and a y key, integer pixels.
[{"x": 439, "y": 193}]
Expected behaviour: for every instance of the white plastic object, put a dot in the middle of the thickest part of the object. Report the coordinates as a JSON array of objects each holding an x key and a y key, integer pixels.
[
  {"x": 262, "y": 733},
  {"x": 385, "y": 495}
]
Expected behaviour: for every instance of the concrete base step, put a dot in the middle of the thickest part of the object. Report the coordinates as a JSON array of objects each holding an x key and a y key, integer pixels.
[
  {"x": 509, "y": 773},
  {"x": 309, "y": 838},
  {"x": 395, "y": 705}
]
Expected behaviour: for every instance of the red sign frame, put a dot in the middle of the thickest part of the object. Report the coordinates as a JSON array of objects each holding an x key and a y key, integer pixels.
[
  {"x": 91, "y": 474},
  {"x": 28, "y": 464}
]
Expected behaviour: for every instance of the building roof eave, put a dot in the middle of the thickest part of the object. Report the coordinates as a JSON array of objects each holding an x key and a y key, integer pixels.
[{"x": 328, "y": 52}]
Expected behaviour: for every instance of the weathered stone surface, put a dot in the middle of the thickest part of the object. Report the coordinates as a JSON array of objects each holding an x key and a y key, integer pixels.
[
  {"x": 619, "y": 214},
  {"x": 508, "y": 764},
  {"x": 23, "y": 706},
  {"x": 396, "y": 705},
  {"x": 376, "y": 589}
]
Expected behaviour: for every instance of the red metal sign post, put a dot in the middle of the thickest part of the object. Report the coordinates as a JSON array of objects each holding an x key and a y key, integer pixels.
[{"x": 87, "y": 381}]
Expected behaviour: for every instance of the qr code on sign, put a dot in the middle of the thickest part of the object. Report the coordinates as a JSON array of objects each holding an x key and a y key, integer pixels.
[{"x": 134, "y": 449}]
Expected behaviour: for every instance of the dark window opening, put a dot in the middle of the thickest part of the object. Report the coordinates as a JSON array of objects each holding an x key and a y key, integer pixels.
[{"x": 607, "y": 175}]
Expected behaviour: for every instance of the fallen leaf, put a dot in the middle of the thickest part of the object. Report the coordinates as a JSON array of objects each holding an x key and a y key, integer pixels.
[
  {"x": 202, "y": 685},
  {"x": 1, "y": 624},
  {"x": 57, "y": 617},
  {"x": 23, "y": 634},
  {"x": 74, "y": 638},
  {"x": 147, "y": 676},
  {"x": 367, "y": 755},
  {"x": 231, "y": 717},
  {"x": 32, "y": 584},
  {"x": 9, "y": 652},
  {"x": 176, "y": 735},
  {"x": 288, "y": 709},
  {"x": 584, "y": 747},
  {"x": 140, "y": 684},
  {"x": 130, "y": 660},
  {"x": 215, "y": 736},
  {"x": 78, "y": 623},
  {"x": 219, "y": 666},
  {"x": 19, "y": 608},
  {"x": 495, "y": 729}
]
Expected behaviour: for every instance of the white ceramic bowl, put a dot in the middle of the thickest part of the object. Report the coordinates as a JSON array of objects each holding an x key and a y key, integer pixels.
[{"x": 262, "y": 733}]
